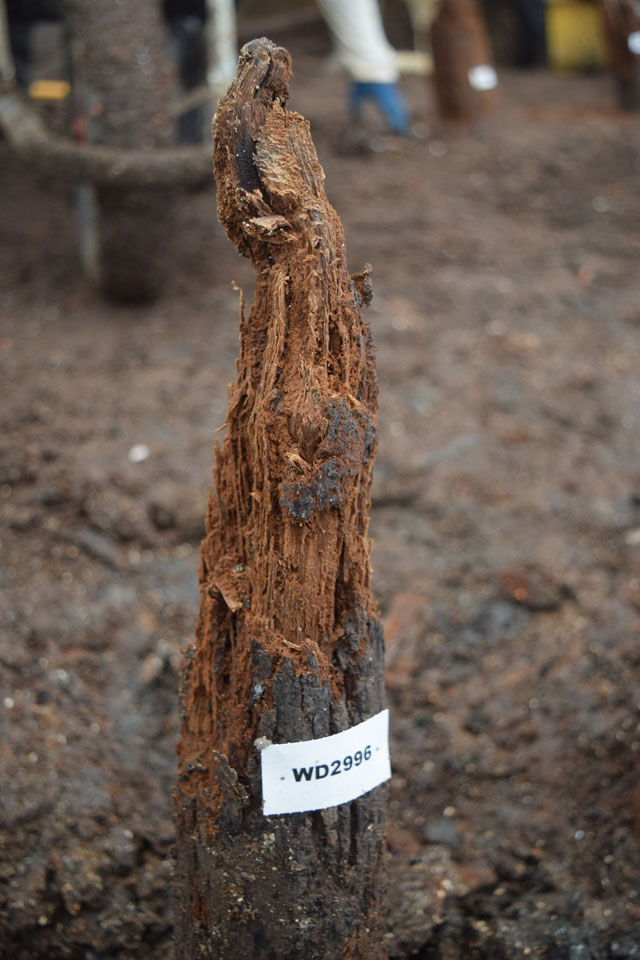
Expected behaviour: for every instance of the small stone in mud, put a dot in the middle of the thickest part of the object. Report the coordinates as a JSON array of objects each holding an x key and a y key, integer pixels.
[
  {"x": 138, "y": 453},
  {"x": 626, "y": 947},
  {"x": 442, "y": 831},
  {"x": 533, "y": 588}
]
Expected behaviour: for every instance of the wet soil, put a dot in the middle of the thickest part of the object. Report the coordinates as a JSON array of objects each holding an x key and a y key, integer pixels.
[{"x": 506, "y": 521}]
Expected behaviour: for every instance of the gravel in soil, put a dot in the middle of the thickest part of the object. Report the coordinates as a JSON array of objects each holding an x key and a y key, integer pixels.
[{"x": 506, "y": 520}]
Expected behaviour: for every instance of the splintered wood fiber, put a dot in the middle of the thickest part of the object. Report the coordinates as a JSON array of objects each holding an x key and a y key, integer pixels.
[{"x": 288, "y": 644}]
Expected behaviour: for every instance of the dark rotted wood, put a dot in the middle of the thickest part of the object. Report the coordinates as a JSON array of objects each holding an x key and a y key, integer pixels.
[
  {"x": 621, "y": 20},
  {"x": 288, "y": 645},
  {"x": 460, "y": 41}
]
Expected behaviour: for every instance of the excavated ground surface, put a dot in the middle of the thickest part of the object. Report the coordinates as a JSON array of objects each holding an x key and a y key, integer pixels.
[{"x": 506, "y": 520}]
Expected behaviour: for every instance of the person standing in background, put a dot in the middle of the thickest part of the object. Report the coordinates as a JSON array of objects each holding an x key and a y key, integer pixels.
[
  {"x": 364, "y": 51},
  {"x": 532, "y": 33}
]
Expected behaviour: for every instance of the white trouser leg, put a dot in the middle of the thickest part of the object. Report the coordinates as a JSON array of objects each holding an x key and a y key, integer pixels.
[{"x": 360, "y": 40}]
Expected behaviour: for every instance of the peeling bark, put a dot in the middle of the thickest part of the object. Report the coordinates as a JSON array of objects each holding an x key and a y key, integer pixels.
[{"x": 288, "y": 644}]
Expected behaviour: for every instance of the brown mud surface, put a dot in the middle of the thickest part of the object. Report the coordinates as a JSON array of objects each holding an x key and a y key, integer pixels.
[{"x": 506, "y": 521}]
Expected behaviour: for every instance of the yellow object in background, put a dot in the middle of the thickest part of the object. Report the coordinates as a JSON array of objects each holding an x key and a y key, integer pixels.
[
  {"x": 575, "y": 35},
  {"x": 49, "y": 90}
]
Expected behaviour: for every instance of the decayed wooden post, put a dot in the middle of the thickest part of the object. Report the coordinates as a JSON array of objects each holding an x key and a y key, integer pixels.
[
  {"x": 463, "y": 72},
  {"x": 288, "y": 646},
  {"x": 622, "y": 27}
]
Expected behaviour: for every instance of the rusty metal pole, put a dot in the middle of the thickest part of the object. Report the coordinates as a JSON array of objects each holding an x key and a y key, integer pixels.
[{"x": 289, "y": 649}]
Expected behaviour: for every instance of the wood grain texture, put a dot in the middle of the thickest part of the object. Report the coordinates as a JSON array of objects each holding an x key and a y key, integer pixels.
[{"x": 288, "y": 644}]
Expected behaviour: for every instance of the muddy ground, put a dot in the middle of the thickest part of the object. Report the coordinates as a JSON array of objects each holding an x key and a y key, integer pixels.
[{"x": 506, "y": 520}]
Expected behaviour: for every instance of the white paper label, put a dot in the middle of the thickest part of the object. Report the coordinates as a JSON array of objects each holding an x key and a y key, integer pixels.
[
  {"x": 633, "y": 41},
  {"x": 483, "y": 77},
  {"x": 315, "y": 774}
]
